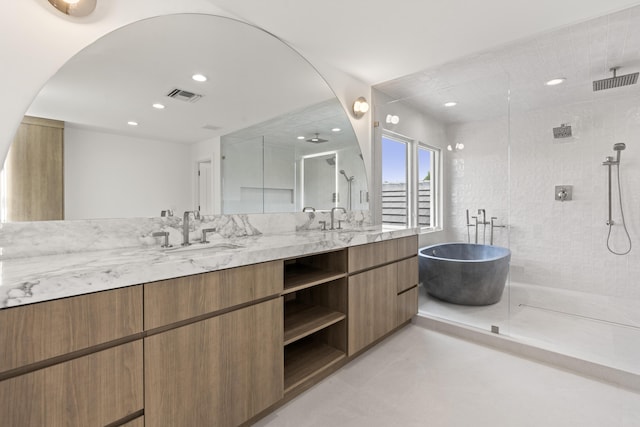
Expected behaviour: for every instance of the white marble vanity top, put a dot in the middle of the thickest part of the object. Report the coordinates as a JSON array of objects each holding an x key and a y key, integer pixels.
[{"x": 28, "y": 280}]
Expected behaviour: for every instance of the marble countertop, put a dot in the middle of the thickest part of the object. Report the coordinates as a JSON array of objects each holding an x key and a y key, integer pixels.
[{"x": 43, "y": 278}]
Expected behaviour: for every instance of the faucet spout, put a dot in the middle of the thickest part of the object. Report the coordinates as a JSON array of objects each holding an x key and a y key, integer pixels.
[
  {"x": 484, "y": 216},
  {"x": 333, "y": 213},
  {"x": 185, "y": 225}
]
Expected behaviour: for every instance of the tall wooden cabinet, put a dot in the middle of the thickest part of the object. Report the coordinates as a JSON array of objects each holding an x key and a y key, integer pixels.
[{"x": 34, "y": 171}]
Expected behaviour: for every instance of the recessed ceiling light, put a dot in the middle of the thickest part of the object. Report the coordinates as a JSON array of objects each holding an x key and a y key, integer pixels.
[
  {"x": 199, "y": 77},
  {"x": 336, "y": 130},
  {"x": 301, "y": 137},
  {"x": 158, "y": 106},
  {"x": 450, "y": 104},
  {"x": 132, "y": 123},
  {"x": 554, "y": 82}
]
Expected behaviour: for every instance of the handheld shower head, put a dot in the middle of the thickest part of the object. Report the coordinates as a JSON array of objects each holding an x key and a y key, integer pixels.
[{"x": 618, "y": 148}]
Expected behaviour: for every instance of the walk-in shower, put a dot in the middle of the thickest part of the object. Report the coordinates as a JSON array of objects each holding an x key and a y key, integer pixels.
[{"x": 610, "y": 162}]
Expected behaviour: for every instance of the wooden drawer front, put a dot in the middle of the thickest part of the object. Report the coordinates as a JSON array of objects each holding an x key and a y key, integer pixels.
[
  {"x": 407, "y": 274},
  {"x": 372, "y": 254},
  {"x": 372, "y": 306},
  {"x": 407, "y": 305},
  {"x": 138, "y": 422},
  {"x": 407, "y": 246},
  {"x": 93, "y": 390},
  {"x": 216, "y": 372},
  {"x": 170, "y": 301},
  {"x": 37, "y": 332}
]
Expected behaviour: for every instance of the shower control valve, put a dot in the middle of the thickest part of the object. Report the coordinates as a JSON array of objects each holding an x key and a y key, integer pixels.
[{"x": 564, "y": 192}]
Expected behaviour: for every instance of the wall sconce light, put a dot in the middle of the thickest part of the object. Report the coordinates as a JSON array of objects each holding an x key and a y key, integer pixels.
[
  {"x": 76, "y": 8},
  {"x": 360, "y": 107},
  {"x": 458, "y": 147},
  {"x": 394, "y": 120}
]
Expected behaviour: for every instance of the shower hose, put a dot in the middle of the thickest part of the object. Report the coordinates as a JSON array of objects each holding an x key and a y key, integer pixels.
[{"x": 624, "y": 223}]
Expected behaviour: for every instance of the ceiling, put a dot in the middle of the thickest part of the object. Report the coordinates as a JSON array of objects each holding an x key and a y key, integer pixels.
[
  {"x": 512, "y": 78},
  {"x": 402, "y": 47},
  {"x": 117, "y": 79},
  {"x": 376, "y": 41}
]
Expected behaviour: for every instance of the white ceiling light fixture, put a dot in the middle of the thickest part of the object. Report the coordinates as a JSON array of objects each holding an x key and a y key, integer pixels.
[
  {"x": 199, "y": 77},
  {"x": 555, "y": 82},
  {"x": 392, "y": 119},
  {"x": 76, "y": 8},
  {"x": 301, "y": 137},
  {"x": 132, "y": 123},
  {"x": 450, "y": 104},
  {"x": 360, "y": 107},
  {"x": 158, "y": 106},
  {"x": 458, "y": 147},
  {"x": 336, "y": 130}
]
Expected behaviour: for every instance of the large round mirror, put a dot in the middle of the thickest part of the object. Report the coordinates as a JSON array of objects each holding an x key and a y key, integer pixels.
[{"x": 183, "y": 112}]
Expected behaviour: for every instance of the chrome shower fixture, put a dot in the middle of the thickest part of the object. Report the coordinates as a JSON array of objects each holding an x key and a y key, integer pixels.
[
  {"x": 610, "y": 162},
  {"x": 618, "y": 147},
  {"x": 615, "y": 81}
]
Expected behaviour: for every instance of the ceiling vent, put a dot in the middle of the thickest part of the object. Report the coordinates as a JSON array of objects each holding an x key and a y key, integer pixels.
[{"x": 184, "y": 95}]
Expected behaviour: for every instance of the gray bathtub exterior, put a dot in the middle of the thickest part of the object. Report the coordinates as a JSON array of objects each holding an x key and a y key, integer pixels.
[{"x": 464, "y": 273}]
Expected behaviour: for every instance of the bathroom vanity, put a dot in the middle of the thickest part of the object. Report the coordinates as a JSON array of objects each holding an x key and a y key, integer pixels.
[{"x": 220, "y": 347}]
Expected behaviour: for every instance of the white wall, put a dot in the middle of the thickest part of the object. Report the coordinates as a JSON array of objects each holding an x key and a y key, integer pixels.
[
  {"x": 114, "y": 176},
  {"x": 557, "y": 244}
]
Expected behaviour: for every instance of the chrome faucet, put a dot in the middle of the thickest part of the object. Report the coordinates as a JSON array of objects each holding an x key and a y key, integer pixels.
[
  {"x": 484, "y": 216},
  {"x": 493, "y": 218},
  {"x": 333, "y": 211},
  {"x": 185, "y": 225}
]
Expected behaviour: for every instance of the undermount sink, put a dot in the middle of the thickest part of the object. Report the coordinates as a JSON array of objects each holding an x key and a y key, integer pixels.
[{"x": 205, "y": 246}]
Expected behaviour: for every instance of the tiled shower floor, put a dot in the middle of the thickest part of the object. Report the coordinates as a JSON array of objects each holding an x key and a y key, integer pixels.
[{"x": 599, "y": 329}]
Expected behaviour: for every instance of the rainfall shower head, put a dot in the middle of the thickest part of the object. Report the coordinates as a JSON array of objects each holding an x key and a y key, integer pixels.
[
  {"x": 615, "y": 81},
  {"x": 316, "y": 139}
]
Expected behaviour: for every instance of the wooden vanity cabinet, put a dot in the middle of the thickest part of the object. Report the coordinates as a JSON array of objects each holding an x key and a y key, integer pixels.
[
  {"x": 214, "y": 354},
  {"x": 216, "y": 372},
  {"x": 383, "y": 279},
  {"x": 73, "y": 361}
]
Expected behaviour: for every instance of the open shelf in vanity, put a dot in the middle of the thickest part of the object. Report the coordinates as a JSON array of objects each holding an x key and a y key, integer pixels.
[{"x": 315, "y": 307}]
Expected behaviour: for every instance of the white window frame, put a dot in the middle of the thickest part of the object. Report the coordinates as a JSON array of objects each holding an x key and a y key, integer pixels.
[{"x": 412, "y": 180}]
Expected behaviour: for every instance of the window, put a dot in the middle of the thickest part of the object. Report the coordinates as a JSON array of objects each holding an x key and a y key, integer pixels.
[{"x": 409, "y": 182}]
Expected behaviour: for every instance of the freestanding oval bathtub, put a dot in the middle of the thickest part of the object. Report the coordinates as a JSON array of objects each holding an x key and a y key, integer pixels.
[{"x": 464, "y": 273}]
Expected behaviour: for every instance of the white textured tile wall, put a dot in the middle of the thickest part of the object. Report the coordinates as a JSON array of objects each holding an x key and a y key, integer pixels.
[{"x": 556, "y": 244}]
